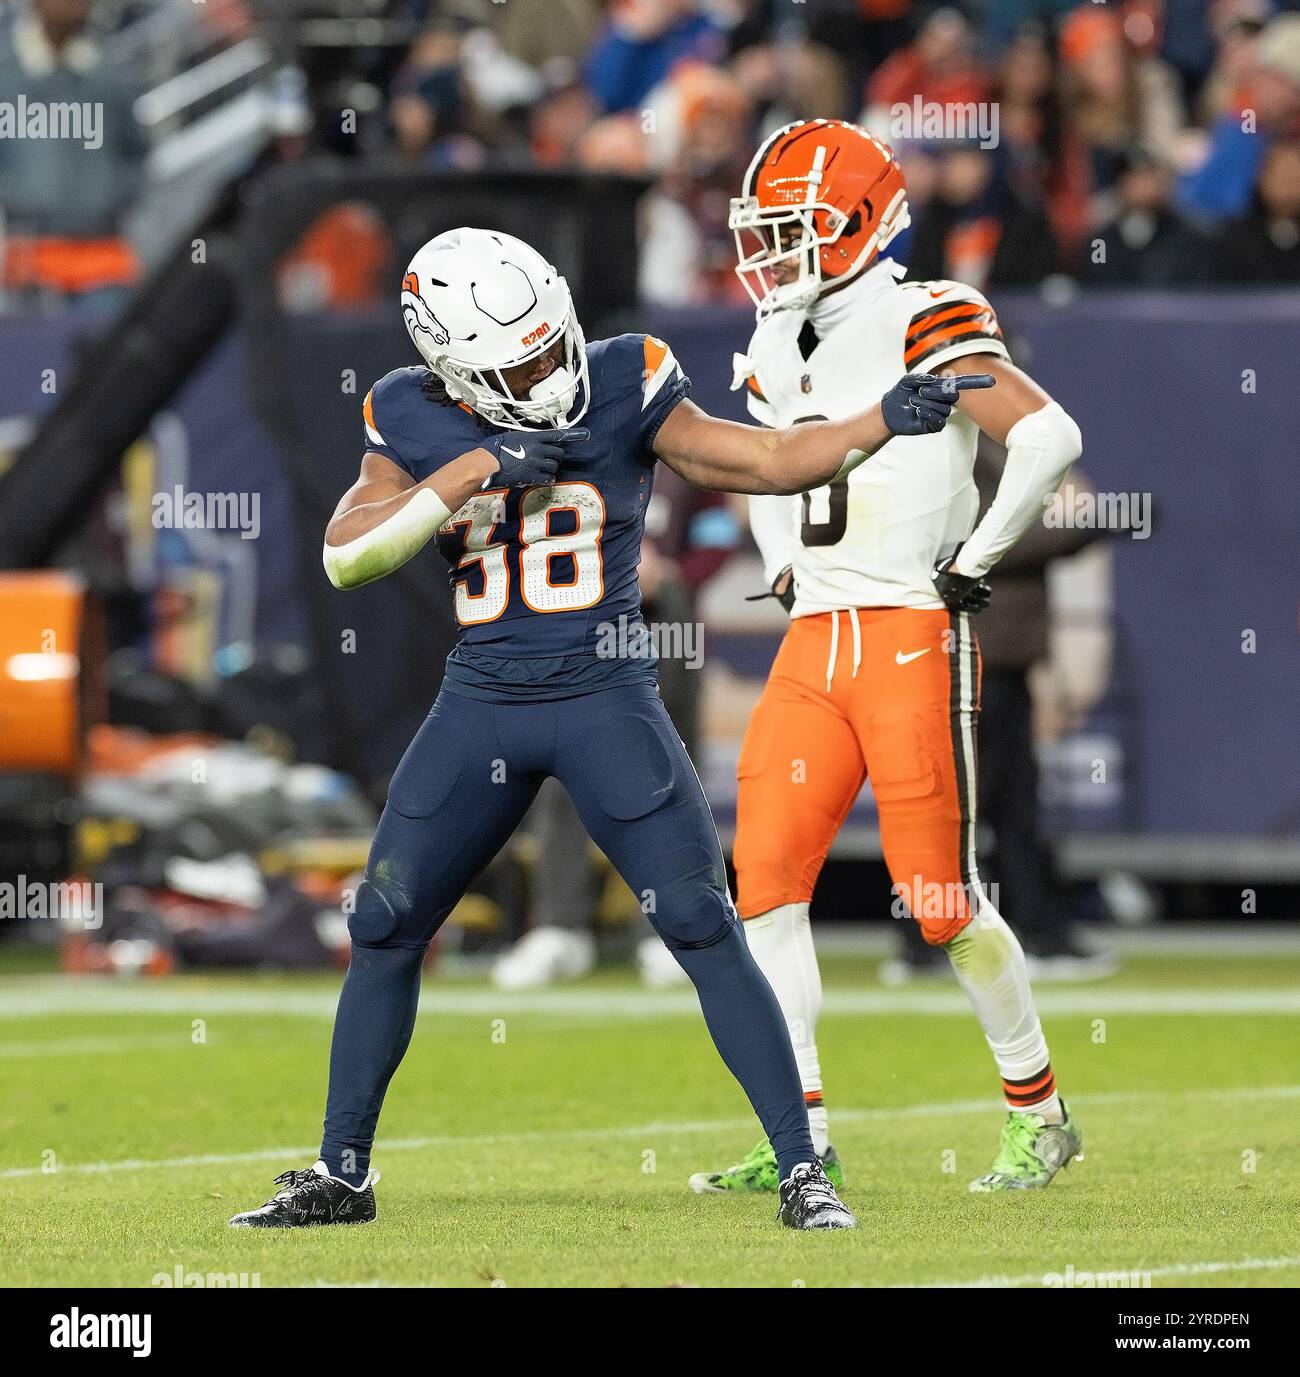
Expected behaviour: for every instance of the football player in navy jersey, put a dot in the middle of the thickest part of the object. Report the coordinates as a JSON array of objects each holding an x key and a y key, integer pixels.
[{"x": 529, "y": 456}]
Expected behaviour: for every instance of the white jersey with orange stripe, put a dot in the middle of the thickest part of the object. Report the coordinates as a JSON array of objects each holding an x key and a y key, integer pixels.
[{"x": 873, "y": 538}]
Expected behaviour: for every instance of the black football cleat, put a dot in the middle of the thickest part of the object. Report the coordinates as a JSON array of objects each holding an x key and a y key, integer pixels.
[
  {"x": 808, "y": 1201},
  {"x": 310, "y": 1198}
]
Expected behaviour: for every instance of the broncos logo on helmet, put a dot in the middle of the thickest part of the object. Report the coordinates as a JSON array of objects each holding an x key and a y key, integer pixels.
[{"x": 419, "y": 319}]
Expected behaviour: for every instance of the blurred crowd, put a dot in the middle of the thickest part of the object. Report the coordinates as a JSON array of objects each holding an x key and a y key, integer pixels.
[{"x": 1145, "y": 142}]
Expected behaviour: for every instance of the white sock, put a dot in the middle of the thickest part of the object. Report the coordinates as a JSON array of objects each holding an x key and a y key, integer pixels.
[
  {"x": 781, "y": 942},
  {"x": 990, "y": 967}
]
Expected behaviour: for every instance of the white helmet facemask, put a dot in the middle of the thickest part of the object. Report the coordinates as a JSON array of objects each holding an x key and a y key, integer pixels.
[{"x": 477, "y": 303}]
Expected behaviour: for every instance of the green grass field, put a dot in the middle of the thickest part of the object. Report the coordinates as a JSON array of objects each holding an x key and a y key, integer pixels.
[{"x": 545, "y": 1140}]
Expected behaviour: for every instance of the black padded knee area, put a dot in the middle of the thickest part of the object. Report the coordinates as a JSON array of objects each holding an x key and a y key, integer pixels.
[
  {"x": 384, "y": 915},
  {"x": 692, "y": 916}
]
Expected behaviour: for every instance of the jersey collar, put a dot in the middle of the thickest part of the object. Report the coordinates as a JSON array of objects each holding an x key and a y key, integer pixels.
[{"x": 827, "y": 312}]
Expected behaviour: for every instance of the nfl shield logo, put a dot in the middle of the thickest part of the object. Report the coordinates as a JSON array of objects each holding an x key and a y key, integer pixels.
[{"x": 805, "y": 384}]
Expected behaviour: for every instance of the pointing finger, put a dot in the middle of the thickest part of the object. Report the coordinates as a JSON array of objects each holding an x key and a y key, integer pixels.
[{"x": 971, "y": 381}]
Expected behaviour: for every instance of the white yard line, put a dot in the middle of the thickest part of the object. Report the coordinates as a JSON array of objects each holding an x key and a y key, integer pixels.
[
  {"x": 1174, "y": 1269},
  {"x": 474, "y": 1141},
  {"x": 45, "y": 996},
  {"x": 85, "y": 1047}
]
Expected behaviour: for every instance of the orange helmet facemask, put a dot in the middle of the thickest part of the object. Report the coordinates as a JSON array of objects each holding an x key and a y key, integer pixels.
[{"x": 822, "y": 196}]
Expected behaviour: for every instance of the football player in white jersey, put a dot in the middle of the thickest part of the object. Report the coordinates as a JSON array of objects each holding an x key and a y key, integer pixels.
[{"x": 878, "y": 675}]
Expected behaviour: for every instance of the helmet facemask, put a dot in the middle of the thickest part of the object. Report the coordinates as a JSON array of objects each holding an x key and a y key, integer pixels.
[
  {"x": 819, "y": 227},
  {"x": 764, "y": 243},
  {"x": 556, "y": 402}
]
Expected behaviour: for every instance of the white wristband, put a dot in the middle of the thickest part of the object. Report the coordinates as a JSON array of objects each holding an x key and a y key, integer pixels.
[{"x": 389, "y": 545}]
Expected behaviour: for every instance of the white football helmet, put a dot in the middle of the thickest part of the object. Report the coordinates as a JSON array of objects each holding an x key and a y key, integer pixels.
[{"x": 476, "y": 302}]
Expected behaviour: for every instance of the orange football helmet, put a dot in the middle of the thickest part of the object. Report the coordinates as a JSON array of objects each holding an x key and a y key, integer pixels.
[{"x": 821, "y": 200}]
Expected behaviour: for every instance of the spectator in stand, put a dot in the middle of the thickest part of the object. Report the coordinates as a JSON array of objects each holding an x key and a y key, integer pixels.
[
  {"x": 941, "y": 67},
  {"x": 1029, "y": 120},
  {"x": 557, "y": 124},
  {"x": 1264, "y": 246},
  {"x": 1002, "y": 19},
  {"x": 550, "y": 37},
  {"x": 431, "y": 108},
  {"x": 689, "y": 254},
  {"x": 792, "y": 79},
  {"x": 1146, "y": 243},
  {"x": 977, "y": 229},
  {"x": 1267, "y": 107},
  {"x": 1113, "y": 98},
  {"x": 1187, "y": 40},
  {"x": 641, "y": 42},
  {"x": 1237, "y": 27},
  {"x": 615, "y": 143},
  {"x": 64, "y": 198},
  {"x": 863, "y": 33}
]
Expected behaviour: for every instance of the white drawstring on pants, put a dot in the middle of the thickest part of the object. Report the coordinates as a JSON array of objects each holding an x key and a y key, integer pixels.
[{"x": 835, "y": 645}]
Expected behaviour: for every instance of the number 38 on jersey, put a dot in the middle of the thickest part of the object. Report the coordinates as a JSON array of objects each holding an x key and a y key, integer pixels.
[{"x": 544, "y": 542}]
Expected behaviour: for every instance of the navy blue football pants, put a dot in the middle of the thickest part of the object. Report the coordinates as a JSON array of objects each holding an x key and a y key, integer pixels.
[{"x": 461, "y": 789}]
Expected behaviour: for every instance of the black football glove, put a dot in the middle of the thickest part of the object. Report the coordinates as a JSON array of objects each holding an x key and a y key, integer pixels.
[
  {"x": 529, "y": 458},
  {"x": 959, "y": 592},
  {"x": 920, "y": 403},
  {"x": 785, "y": 597}
]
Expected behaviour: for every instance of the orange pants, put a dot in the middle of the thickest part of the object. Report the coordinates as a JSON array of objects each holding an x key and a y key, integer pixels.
[{"x": 885, "y": 693}]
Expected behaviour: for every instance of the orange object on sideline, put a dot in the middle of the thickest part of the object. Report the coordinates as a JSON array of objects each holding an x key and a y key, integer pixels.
[
  {"x": 41, "y": 617},
  {"x": 70, "y": 266}
]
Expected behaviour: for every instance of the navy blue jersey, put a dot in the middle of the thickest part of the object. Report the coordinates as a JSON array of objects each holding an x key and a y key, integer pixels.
[{"x": 544, "y": 578}]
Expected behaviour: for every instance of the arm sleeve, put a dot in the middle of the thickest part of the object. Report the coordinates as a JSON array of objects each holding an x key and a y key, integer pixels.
[
  {"x": 772, "y": 519},
  {"x": 772, "y": 516},
  {"x": 1041, "y": 543},
  {"x": 1040, "y": 449}
]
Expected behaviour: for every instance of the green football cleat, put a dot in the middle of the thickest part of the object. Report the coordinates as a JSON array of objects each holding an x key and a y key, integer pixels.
[
  {"x": 757, "y": 1172},
  {"x": 1031, "y": 1152}
]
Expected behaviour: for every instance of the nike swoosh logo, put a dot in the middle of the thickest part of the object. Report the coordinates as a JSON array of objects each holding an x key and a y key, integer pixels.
[
  {"x": 934, "y": 296},
  {"x": 901, "y": 659},
  {"x": 513, "y": 453}
]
